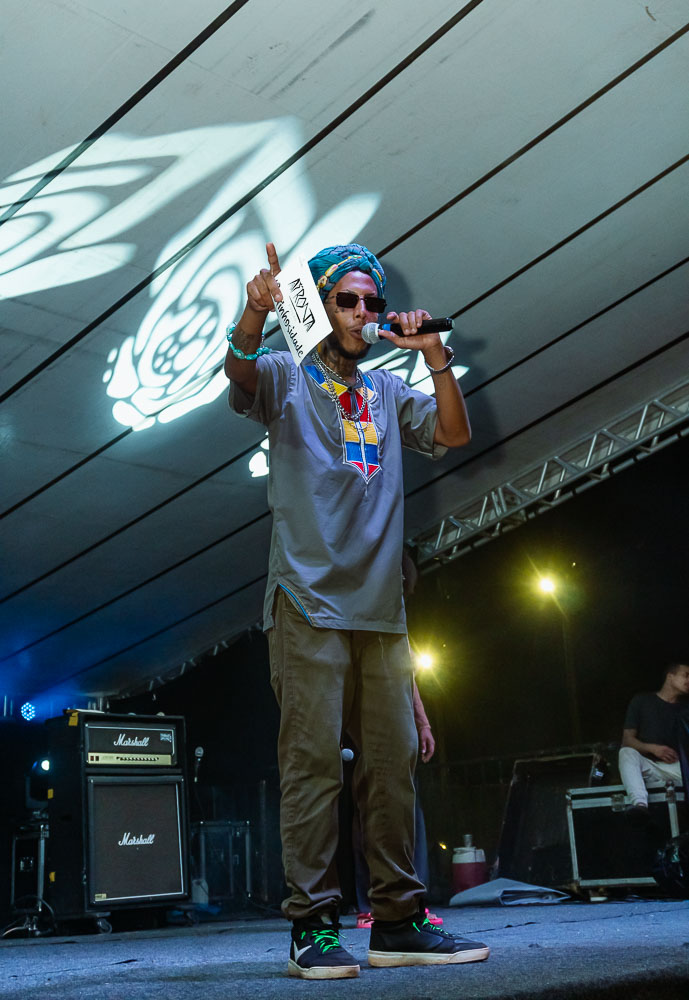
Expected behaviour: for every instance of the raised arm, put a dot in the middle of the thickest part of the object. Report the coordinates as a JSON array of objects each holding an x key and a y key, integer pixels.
[
  {"x": 452, "y": 428},
  {"x": 246, "y": 337}
]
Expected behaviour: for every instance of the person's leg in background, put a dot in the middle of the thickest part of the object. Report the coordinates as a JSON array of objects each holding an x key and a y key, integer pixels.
[
  {"x": 420, "y": 842},
  {"x": 421, "y": 852},
  {"x": 638, "y": 773}
]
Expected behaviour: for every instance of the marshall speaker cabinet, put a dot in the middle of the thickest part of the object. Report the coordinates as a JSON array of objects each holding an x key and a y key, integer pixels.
[{"x": 117, "y": 813}]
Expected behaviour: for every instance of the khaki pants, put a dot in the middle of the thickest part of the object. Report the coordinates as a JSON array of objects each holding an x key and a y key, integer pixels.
[{"x": 328, "y": 681}]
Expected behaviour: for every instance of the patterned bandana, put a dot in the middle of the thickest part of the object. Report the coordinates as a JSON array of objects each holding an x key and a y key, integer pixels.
[{"x": 331, "y": 264}]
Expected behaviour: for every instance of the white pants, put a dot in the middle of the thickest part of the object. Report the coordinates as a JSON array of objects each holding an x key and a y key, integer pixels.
[{"x": 638, "y": 773}]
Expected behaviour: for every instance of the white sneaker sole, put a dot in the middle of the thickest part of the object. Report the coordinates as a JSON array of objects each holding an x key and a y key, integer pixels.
[
  {"x": 387, "y": 959},
  {"x": 323, "y": 972}
]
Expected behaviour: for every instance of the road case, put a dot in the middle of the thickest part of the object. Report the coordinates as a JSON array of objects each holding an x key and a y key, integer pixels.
[
  {"x": 534, "y": 843},
  {"x": 222, "y": 853},
  {"x": 607, "y": 847},
  {"x": 28, "y": 868}
]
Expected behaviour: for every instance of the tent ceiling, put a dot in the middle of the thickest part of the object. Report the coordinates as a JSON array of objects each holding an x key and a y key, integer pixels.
[{"x": 520, "y": 165}]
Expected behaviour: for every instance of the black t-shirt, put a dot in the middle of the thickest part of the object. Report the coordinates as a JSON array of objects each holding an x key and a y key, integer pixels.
[{"x": 655, "y": 720}]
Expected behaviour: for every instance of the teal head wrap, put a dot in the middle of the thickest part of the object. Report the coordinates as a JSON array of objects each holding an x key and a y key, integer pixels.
[{"x": 331, "y": 264}]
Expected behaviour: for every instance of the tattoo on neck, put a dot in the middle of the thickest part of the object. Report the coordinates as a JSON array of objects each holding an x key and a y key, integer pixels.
[{"x": 345, "y": 367}]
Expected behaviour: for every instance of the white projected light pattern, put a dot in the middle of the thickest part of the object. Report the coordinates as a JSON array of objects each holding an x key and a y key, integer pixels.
[
  {"x": 73, "y": 232},
  {"x": 82, "y": 227}
]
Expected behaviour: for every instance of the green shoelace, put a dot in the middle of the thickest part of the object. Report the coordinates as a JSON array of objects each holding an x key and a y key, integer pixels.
[
  {"x": 326, "y": 939},
  {"x": 433, "y": 928}
]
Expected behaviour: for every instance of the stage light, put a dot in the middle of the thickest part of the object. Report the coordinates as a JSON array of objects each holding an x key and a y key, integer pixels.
[
  {"x": 258, "y": 464},
  {"x": 37, "y": 784},
  {"x": 443, "y": 847},
  {"x": 547, "y": 584},
  {"x": 28, "y": 711},
  {"x": 425, "y": 661}
]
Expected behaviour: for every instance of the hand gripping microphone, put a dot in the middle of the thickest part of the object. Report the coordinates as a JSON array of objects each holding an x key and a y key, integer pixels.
[{"x": 370, "y": 334}]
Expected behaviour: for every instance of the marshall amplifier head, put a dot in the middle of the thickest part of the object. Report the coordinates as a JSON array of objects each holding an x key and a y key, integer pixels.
[{"x": 137, "y": 743}]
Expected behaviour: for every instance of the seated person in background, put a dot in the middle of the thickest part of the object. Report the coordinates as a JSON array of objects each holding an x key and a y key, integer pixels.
[{"x": 650, "y": 740}]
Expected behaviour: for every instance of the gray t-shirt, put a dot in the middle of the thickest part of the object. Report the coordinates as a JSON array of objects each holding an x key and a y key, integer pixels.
[{"x": 335, "y": 491}]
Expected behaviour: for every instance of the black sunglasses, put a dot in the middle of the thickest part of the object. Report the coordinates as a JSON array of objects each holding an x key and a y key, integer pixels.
[{"x": 350, "y": 300}]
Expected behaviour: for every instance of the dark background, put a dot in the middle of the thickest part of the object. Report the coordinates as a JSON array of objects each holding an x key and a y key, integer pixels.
[{"x": 620, "y": 551}]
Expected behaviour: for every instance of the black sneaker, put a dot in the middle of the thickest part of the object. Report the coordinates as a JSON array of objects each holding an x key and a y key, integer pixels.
[
  {"x": 316, "y": 952},
  {"x": 416, "y": 941}
]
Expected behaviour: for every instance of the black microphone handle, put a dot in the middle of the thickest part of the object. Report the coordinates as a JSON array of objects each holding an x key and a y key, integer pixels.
[
  {"x": 198, "y": 755},
  {"x": 443, "y": 325},
  {"x": 371, "y": 336}
]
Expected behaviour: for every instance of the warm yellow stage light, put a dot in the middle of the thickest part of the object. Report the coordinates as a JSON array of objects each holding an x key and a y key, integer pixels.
[
  {"x": 547, "y": 584},
  {"x": 425, "y": 661}
]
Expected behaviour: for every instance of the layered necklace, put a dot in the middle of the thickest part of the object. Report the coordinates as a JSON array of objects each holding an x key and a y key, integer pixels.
[{"x": 328, "y": 373}]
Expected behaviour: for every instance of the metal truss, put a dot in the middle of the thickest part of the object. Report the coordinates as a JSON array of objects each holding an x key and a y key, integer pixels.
[{"x": 594, "y": 458}]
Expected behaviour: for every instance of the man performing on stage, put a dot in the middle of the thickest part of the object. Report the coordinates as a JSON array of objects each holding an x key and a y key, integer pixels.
[{"x": 334, "y": 612}]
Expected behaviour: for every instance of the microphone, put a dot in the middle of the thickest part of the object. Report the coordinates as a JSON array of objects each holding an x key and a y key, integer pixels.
[
  {"x": 369, "y": 331},
  {"x": 198, "y": 754}
]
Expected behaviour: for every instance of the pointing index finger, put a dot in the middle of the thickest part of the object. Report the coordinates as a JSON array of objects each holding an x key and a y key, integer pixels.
[{"x": 273, "y": 261}]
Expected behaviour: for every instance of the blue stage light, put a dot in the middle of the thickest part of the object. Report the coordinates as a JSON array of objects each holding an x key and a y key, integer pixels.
[{"x": 28, "y": 711}]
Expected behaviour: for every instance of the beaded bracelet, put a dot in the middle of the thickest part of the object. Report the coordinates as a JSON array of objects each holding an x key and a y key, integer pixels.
[
  {"x": 450, "y": 355},
  {"x": 239, "y": 353}
]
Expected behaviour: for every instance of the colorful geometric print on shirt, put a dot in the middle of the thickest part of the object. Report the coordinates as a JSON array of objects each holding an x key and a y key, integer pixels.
[{"x": 360, "y": 437}]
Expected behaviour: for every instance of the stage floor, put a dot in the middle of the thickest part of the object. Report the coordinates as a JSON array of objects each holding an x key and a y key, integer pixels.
[{"x": 633, "y": 950}]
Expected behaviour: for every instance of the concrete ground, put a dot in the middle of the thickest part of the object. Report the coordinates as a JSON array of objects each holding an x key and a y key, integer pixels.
[{"x": 632, "y": 950}]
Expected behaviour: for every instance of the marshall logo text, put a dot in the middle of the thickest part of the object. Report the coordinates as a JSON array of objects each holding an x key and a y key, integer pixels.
[
  {"x": 131, "y": 741},
  {"x": 129, "y": 841}
]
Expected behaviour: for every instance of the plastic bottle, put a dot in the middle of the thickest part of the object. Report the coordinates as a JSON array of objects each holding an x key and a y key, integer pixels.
[{"x": 468, "y": 865}]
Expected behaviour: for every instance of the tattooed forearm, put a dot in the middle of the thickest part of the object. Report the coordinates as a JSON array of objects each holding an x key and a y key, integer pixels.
[{"x": 245, "y": 341}]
